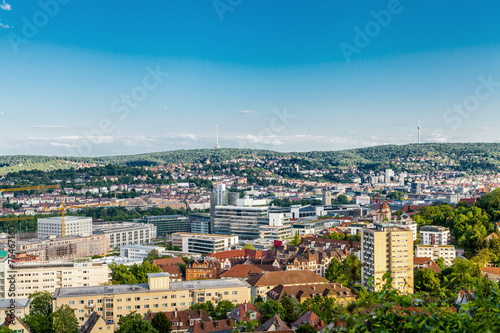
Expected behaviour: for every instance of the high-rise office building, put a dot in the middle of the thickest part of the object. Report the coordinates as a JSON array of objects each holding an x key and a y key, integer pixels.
[
  {"x": 167, "y": 224},
  {"x": 385, "y": 248},
  {"x": 220, "y": 197},
  {"x": 242, "y": 221}
]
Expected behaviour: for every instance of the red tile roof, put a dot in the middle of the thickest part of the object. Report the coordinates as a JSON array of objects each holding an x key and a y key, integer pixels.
[
  {"x": 247, "y": 271},
  {"x": 169, "y": 261}
]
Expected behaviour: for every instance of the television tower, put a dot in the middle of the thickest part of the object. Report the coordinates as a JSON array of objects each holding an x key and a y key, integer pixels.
[
  {"x": 217, "y": 137},
  {"x": 419, "y": 131}
]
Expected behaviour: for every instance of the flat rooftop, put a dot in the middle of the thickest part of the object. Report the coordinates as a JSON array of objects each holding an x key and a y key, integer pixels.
[
  {"x": 144, "y": 288},
  {"x": 202, "y": 235}
]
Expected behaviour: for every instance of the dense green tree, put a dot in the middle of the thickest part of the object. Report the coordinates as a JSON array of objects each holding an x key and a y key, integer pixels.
[
  {"x": 342, "y": 199},
  {"x": 153, "y": 255},
  {"x": 291, "y": 307},
  {"x": 208, "y": 307},
  {"x": 222, "y": 308},
  {"x": 249, "y": 247},
  {"x": 325, "y": 308},
  {"x": 270, "y": 308},
  {"x": 348, "y": 272},
  {"x": 305, "y": 328},
  {"x": 65, "y": 320},
  {"x": 335, "y": 272},
  {"x": 441, "y": 263},
  {"x": 4, "y": 329},
  {"x": 161, "y": 323},
  {"x": 133, "y": 323},
  {"x": 39, "y": 323},
  {"x": 426, "y": 280},
  {"x": 122, "y": 274},
  {"x": 296, "y": 239},
  {"x": 41, "y": 303}
]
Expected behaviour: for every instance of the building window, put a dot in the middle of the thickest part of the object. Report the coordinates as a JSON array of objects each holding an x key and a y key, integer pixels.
[
  {"x": 137, "y": 306},
  {"x": 128, "y": 307},
  {"x": 137, "y": 298}
]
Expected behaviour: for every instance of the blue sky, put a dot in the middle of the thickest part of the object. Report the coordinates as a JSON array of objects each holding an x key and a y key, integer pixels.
[{"x": 97, "y": 78}]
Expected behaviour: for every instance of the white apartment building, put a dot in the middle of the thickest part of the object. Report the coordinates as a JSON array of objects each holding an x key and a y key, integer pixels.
[
  {"x": 74, "y": 226},
  {"x": 127, "y": 233},
  {"x": 306, "y": 227},
  {"x": 138, "y": 251},
  {"x": 434, "y": 235},
  {"x": 447, "y": 252},
  {"x": 31, "y": 277},
  {"x": 201, "y": 243}
]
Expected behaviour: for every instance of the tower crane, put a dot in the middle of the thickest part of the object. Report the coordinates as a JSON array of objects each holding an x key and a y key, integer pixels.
[{"x": 28, "y": 188}]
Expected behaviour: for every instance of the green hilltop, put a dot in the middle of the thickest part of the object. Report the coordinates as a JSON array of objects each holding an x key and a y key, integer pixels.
[{"x": 479, "y": 157}]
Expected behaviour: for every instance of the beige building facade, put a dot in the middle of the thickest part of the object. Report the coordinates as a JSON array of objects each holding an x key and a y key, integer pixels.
[
  {"x": 159, "y": 294},
  {"x": 33, "y": 277},
  {"x": 387, "y": 248}
]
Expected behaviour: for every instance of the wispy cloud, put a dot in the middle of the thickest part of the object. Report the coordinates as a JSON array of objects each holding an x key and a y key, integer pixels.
[
  {"x": 2, "y": 113},
  {"x": 50, "y": 126},
  {"x": 5, "y": 6},
  {"x": 247, "y": 112},
  {"x": 5, "y": 26}
]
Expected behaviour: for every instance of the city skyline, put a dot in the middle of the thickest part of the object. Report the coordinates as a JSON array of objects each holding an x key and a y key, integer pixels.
[{"x": 285, "y": 76}]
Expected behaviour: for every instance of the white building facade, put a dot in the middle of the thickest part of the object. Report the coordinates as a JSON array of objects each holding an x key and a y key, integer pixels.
[{"x": 74, "y": 226}]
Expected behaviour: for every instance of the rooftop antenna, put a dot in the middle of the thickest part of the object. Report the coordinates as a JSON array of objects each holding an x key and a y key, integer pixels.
[
  {"x": 419, "y": 131},
  {"x": 217, "y": 137}
]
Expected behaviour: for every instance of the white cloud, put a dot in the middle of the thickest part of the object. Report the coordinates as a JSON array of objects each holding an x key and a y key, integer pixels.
[
  {"x": 6, "y": 26},
  {"x": 50, "y": 126},
  {"x": 67, "y": 145},
  {"x": 247, "y": 112},
  {"x": 2, "y": 113},
  {"x": 5, "y": 6}
]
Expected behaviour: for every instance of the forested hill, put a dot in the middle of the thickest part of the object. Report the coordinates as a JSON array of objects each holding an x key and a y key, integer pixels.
[{"x": 459, "y": 156}]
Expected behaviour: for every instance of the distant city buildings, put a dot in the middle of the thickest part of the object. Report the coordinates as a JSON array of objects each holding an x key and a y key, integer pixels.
[
  {"x": 126, "y": 233},
  {"x": 64, "y": 249},
  {"x": 167, "y": 224},
  {"x": 203, "y": 243},
  {"x": 200, "y": 223}
]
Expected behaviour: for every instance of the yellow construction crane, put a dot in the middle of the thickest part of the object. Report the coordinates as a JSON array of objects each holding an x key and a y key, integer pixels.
[
  {"x": 17, "y": 218},
  {"x": 63, "y": 209},
  {"x": 28, "y": 188}
]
